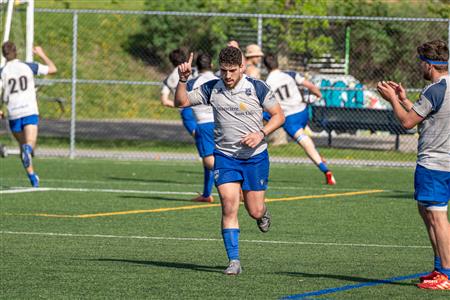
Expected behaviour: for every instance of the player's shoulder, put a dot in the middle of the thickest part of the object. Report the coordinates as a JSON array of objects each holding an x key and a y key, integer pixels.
[
  {"x": 15, "y": 66},
  {"x": 436, "y": 91},
  {"x": 437, "y": 88},
  {"x": 258, "y": 84},
  {"x": 290, "y": 73}
]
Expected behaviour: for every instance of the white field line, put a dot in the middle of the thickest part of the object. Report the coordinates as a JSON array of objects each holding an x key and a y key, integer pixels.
[
  {"x": 29, "y": 190},
  {"x": 111, "y": 182},
  {"x": 210, "y": 240}
]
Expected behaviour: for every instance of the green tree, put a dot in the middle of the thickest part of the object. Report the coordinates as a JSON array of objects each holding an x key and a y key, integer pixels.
[{"x": 163, "y": 33}]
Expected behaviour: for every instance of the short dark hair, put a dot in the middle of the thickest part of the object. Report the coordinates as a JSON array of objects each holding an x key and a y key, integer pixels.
[
  {"x": 230, "y": 56},
  {"x": 177, "y": 57},
  {"x": 9, "y": 50},
  {"x": 271, "y": 61},
  {"x": 435, "y": 50},
  {"x": 203, "y": 62}
]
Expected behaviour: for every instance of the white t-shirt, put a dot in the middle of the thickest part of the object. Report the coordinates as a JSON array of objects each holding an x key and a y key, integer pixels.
[
  {"x": 19, "y": 92},
  {"x": 285, "y": 88}
]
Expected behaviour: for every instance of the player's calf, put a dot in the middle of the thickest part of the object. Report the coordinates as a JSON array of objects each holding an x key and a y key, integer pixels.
[{"x": 27, "y": 150}]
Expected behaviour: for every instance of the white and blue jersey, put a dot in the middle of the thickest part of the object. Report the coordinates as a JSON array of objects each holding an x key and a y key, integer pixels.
[
  {"x": 434, "y": 130},
  {"x": 432, "y": 176},
  {"x": 19, "y": 92},
  {"x": 285, "y": 86},
  {"x": 186, "y": 114},
  {"x": 203, "y": 113},
  {"x": 204, "y": 133},
  {"x": 237, "y": 112}
]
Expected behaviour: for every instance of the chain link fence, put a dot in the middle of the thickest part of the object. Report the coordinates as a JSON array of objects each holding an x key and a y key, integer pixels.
[{"x": 105, "y": 99}]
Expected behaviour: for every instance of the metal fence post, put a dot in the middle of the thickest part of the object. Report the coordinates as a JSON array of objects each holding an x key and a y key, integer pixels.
[
  {"x": 260, "y": 23},
  {"x": 74, "y": 85}
]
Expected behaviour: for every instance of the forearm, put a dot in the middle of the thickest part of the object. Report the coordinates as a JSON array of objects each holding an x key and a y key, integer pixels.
[
  {"x": 316, "y": 92},
  {"x": 275, "y": 122},
  {"x": 407, "y": 104},
  {"x": 51, "y": 66},
  {"x": 181, "y": 96},
  {"x": 166, "y": 101},
  {"x": 401, "y": 113}
]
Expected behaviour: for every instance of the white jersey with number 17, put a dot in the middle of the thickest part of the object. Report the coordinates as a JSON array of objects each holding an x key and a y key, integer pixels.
[
  {"x": 285, "y": 88},
  {"x": 19, "y": 92}
]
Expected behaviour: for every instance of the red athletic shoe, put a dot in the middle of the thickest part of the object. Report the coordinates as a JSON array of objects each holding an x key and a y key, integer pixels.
[
  {"x": 330, "y": 178},
  {"x": 200, "y": 198},
  {"x": 439, "y": 282},
  {"x": 429, "y": 276}
]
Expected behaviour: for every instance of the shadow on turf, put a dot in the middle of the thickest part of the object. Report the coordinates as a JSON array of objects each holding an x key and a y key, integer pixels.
[
  {"x": 166, "y": 264},
  {"x": 343, "y": 277},
  {"x": 400, "y": 195},
  {"x": 155, "y": 198},
  {"x": 145, "y": 180}
]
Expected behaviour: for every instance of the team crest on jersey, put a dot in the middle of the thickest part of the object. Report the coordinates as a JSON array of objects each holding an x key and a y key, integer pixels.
[
  {"x": 248, "y": 92},
  {"x": 242, "y": 107}
]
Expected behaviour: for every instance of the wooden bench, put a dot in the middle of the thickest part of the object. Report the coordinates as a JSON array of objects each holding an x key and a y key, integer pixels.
[{"x": 349, "y": 120}]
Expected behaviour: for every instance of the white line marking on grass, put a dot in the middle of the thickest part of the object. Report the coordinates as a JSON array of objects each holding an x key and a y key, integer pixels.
[
  {"x": 17, "y": 190},
  {"x": 131, "y": 182},
  {"x": 210, "y": 240},
  {"x": 47, "y": 189}
]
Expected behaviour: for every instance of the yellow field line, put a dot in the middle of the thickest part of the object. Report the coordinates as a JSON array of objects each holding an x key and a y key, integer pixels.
[
  {"x": 325, "y": 196},
  {"x": 141, "y": 211}
]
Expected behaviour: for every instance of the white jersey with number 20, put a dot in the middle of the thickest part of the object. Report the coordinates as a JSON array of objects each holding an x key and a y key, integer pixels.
[{"x": 19, "y": 92}]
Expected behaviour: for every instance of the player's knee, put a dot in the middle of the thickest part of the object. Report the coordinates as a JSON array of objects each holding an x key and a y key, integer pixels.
[
  {"x": 229, "y": 210},
  {"x": 301, "y": 137},
  {"x": 257, "y": 212},
  {"x": 27, "y": 148}
]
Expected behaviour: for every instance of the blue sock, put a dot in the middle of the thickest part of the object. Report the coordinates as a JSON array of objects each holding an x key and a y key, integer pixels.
[
  {"x": 445, "y": 271},
  {"x": 231, "y": 242},
  {"x": 208, "y": 181},
  {"x": 437, "y": 263},
  {"x": 26, "y": 155},
  {"x": 323, "y": 167},
  {"x": 34, "y": 179}
]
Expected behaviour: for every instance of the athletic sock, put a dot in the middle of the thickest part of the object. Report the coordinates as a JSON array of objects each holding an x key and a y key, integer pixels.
[
  {"x": 445, "y": 271},
  {"x": 437, "y": 263},
  {"x": 231, "y": 242},
  {"x": 208, "y": 181},
  {"x": 26, "y": 155},
  {"x": 323, "y": 167}
]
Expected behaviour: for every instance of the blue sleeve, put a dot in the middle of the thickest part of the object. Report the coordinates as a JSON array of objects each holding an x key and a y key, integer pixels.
[
  {"x": 291, "y": 73},
  {"x": 436, "y": 94},
  {"x": 190, "y": 84},
  {"x": 207, "y": 88},
  {"x": 34, "y": 67},
  {"x": 262, "y": 89}
]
